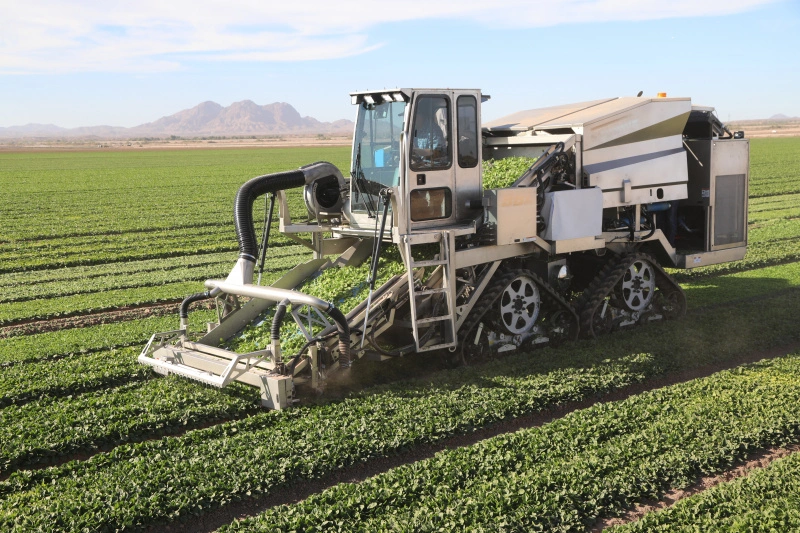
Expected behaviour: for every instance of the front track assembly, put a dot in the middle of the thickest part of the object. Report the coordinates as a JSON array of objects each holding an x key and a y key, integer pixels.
[
  {"x": 517, "y": 309},
  {"x": 630, "y": 289}
]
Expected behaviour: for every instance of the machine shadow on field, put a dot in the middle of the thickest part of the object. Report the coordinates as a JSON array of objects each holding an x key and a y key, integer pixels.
[{"x": 721, "y": 332}]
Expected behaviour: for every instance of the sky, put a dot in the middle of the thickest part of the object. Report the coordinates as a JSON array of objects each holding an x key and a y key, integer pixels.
[{"x": 86, "y": 63}]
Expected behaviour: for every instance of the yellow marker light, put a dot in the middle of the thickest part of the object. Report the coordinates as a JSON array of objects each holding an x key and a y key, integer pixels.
[{"x": 662, "y": 95}]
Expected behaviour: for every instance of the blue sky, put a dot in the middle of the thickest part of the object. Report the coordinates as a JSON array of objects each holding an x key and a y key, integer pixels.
[{"x": 83, "y": 63}]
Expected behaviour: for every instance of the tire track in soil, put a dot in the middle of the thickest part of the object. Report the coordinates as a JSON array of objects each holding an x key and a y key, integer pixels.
[{"x": 301, "y": 489}]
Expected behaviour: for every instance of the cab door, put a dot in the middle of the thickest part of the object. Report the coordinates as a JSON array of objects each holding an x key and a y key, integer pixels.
[
  {"x": 431, "y": 154},
  {"x": 443, "y": 176}
]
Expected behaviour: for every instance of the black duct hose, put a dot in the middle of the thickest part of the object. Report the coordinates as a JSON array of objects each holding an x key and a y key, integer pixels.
[
  {"x": 184, "y": 310},
  {"x": 243, "y": 206},
  {"x": 344, "y": 336},
  {"x": 280, "y": 311}
]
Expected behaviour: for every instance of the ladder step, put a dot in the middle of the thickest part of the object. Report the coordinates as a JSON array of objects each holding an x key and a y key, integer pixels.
[
  {"x": 433, "y": 319},
  {"x": 432, "y": 262}
]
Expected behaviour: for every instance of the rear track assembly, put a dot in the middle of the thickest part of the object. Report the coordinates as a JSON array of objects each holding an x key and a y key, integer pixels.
[{"x": 622, "y": 295}]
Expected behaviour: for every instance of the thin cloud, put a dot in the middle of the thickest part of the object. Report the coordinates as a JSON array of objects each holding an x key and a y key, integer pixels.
[{"x": 57, "y": 36}]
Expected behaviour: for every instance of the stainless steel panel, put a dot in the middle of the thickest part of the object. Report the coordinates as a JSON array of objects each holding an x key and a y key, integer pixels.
[
  {"x": 641, "y": 120},
  {"x": 729, "y": 189},
  {"x": 513, "y": 212},
  {"x": 525, "y": 120},
  {"x": 695, "y": 260}
]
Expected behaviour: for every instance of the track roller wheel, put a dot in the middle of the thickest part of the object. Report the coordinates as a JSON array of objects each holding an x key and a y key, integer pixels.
[
  {"x": 638, "y": 285},
  {"x": 671, "y": 304},
  {"x": 517, "y": 310},
  {"x": 520, "y": 303}
]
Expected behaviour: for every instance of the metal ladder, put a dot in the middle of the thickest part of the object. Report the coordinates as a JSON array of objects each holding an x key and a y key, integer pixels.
[{"x": 425, "y": 297}]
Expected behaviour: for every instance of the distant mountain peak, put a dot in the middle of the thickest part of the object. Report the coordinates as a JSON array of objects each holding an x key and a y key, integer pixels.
[{"x": 205, "y": 119}]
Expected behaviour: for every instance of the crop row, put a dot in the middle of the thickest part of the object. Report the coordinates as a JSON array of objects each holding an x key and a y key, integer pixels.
[
  {"x": 139, "y": 294},
  {"x": 94, "y": 302},
  {"x": 743, "y": 286},
  {"x": 135, "y": 246},
  {"x": 134, "y": 187},
  {"x": 75, "y": 224},
  {"x": 39, "y": 292},
  {"x": 765, "y": 500},
  {"x": 131, "y": 412},
  {"x": 81, "y": 221},
  {"x": 226, "y": 462},
  {"x": 13, "y": 281},
  {"x": 280, "y": 259},
  {"x": 74, "y": 251},
  {"x": 759, "y": 254},
  {"x": 70, "y": 375},
  {"x": 760, "y": 207},
  {"x": 211, "y": 467},
  {"x": 569, "y": 473},
  {"x": 51, "y": 345},
  {"x": 774, "y": 167},
  {"x": 131, "y": 252}
]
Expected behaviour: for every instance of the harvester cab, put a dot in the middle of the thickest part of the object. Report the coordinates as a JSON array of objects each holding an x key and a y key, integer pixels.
[{"x": 573, "y": 243}]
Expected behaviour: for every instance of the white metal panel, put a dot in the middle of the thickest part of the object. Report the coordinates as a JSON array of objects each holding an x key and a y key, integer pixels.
[{"x": 573, "y": 214}]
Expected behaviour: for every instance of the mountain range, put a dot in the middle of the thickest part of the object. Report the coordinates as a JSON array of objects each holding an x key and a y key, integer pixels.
[{"x": 204, "y": 120}]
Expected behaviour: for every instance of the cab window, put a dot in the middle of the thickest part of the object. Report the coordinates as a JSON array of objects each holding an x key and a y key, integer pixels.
[
  {"x": 431, "y": 204},
  {"x": 467, "y": 131},
  {"x": 430, "y": 143}
]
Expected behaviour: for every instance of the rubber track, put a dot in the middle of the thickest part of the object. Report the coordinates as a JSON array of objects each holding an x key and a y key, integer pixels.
[
  {"x": 495, "y": 289},
  {"x": 611, "y": 274}
]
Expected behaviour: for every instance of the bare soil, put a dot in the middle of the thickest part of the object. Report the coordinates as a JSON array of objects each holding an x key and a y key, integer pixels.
[
  {"x": 31, "y": 327},
  {"x": 752, "y": 129},
  {"x": 50, "y": 145},
  {"x": 767, "y": 128}
]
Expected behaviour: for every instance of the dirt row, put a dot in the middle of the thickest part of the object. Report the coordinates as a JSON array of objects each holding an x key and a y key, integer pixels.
[
  {"x": 757, "y": 461},
  {"x": 134, "y": 312}
]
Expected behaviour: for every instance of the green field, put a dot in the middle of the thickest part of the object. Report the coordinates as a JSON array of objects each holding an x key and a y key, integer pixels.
[{"x": 92, "y": 441}]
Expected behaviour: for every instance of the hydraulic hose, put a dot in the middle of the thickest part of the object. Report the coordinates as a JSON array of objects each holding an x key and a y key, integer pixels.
[{"x": 184, "y": 310}]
